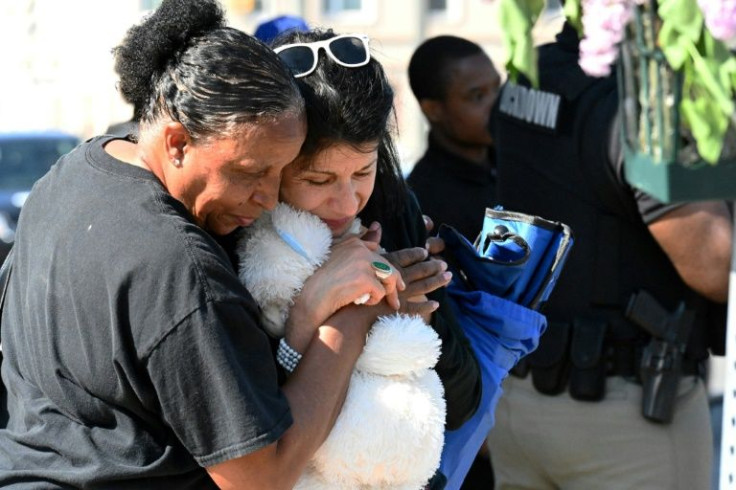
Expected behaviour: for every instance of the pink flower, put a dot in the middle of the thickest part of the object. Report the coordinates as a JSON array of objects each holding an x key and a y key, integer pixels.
[
  {"x": 604, "y": 22},
  {"x": 596, "y": 63},
  {"x": 720, "y": 17}
]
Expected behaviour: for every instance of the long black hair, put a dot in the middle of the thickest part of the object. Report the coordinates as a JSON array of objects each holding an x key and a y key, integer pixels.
[
  {"x": 354, "y": 106},
  {"x": 182, "y": 62}
]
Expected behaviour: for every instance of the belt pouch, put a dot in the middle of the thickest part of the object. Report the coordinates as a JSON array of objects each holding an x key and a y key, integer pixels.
[
  {"x": 588, "y": 371},
  {"x": 549, "y": 362},
  {"x": 661, "y": 369}
]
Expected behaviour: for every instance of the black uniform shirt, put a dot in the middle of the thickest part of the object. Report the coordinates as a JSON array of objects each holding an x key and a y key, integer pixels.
[
  {"x": 454, "y": 190},
  {"x": 559, "y": 156}
]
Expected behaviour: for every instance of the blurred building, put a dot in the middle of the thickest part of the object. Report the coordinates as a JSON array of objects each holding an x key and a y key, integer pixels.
[{"x": 57, "y": 63}]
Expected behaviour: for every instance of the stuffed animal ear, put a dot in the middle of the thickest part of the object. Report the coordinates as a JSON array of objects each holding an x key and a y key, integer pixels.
[
  {"x": 304, "y": 232},
  {"x": 399, "y": 345}
]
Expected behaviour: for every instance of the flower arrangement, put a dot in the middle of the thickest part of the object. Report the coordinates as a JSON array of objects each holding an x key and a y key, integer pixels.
[{"x": 689, "y": 35}]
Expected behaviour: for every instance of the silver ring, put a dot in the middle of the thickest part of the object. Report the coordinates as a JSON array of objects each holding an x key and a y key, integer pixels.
[{"x": 382, "y": 270}]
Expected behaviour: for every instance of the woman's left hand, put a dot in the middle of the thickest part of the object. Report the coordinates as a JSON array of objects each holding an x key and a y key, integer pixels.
[{"x": 422, "y": 275}]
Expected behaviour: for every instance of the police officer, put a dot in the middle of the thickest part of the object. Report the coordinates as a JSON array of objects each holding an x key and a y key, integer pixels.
[{"x": 575, "y": 414}]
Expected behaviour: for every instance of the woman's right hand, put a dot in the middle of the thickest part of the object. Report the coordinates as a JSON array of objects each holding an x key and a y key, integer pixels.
[{"x": 344, "y": 277}]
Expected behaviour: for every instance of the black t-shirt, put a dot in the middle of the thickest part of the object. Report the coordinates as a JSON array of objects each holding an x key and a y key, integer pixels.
[
  {"x": 453, "y": 190},
  {"x": 133, "y": 356}
]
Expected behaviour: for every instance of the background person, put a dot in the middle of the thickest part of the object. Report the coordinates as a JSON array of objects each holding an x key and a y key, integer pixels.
[
  {"x": 575, "y": 418},
  {"x": 133, "y": 355},
  {"x": 269, "y": 29},
  {"x": 455, "y": 83}
]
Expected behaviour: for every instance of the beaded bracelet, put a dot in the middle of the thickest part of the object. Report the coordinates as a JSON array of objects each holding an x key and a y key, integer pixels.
[{"x": 287, "y": 357}]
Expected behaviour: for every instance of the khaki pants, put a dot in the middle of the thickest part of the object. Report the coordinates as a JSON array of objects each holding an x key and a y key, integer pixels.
[{"x": 554, "y": 442}]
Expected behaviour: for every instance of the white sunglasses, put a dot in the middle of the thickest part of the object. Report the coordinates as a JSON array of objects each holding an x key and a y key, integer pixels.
[{"x": 349, "y": 50}]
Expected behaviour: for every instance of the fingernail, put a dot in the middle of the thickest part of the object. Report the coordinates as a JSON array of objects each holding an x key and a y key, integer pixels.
[
  {"x": 447, "y": 276},
  {"x": 426, "y": 245},
  {"x": 435, "y": 305},
  {"x": 374, "y": 226},
  {"x": 443, "y": 265}
]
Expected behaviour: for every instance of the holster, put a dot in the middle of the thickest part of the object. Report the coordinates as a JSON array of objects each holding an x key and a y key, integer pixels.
[
  {"x": 661, "y": 369},
  {"x": 549, "y": 366},
  {"x": 588, "y": 366}
]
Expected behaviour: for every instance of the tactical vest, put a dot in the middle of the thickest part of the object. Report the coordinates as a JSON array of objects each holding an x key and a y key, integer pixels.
[{"x": 552, "y": 157}]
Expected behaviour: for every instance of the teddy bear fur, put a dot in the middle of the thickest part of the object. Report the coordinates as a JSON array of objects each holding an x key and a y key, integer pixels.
[{"x": 390, "y": 432}]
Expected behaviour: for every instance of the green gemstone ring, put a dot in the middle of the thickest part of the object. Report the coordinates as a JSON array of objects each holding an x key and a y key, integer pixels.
[{"x": 383, "y": 271}]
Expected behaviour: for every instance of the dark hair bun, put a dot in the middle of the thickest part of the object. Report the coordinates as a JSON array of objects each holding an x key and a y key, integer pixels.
[{"x": 148, "y": 47}]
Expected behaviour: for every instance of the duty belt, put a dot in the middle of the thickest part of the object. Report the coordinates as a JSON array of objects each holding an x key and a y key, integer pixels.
[{"x": 622, "y": 361}]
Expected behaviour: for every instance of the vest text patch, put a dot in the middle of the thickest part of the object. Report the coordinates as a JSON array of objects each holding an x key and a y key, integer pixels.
[{"x": 530, "y": 105}]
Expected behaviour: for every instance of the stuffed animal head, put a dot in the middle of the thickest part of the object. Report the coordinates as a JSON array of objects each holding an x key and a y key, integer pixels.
[{"x": 277, "y": 255}]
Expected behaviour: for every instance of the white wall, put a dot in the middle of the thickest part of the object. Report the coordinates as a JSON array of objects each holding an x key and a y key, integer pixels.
[{"x": 56, "y": 62}]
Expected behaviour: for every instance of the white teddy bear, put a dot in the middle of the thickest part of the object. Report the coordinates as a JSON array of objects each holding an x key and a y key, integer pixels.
[{"x": 390, "y": 432}]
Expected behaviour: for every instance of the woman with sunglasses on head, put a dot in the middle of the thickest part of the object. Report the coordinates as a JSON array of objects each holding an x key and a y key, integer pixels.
[
  {"x": 348, "y": 168},
  {"x": 134, "y": 357}
]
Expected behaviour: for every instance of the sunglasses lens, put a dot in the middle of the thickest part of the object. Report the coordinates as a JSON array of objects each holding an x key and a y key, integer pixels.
[
  {"x": 349, "y": 50},
  {"x": 299, "y": 59}
]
